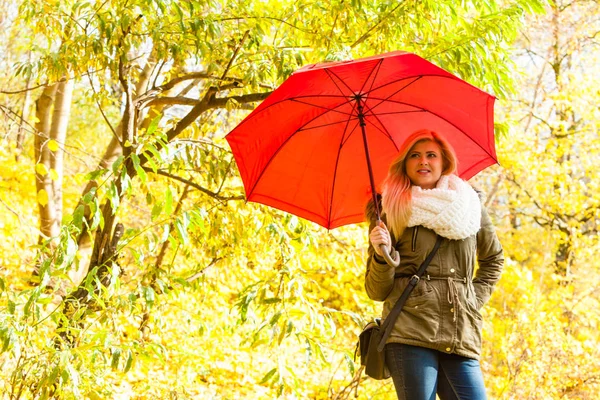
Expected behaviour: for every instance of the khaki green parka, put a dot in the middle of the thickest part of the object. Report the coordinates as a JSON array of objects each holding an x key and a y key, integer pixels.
[{"x": 442, "y": 312}]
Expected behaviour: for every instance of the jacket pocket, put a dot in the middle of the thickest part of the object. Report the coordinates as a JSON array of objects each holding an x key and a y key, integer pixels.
[
  {"x": 472, "y": 329},
  {"x": 420, "y": 318}
]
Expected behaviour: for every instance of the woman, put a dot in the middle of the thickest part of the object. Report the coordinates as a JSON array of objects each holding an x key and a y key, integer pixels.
[{"x": 436, "y": 341}]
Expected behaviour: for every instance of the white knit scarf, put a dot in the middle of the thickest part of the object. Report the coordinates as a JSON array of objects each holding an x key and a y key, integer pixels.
[{"x": 452, "y": 209}]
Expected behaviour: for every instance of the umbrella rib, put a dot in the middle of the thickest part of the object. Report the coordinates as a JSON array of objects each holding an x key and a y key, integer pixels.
[
  {"x": 344, "y": 140},
  {"x": 393, "y": 94},
  {"x": 400, "y": 112},
  {"x": 329, "y": 74},
  {"x": 378, "y": 68},
  {"x": 449, "y": 76},
  {"x": 437, "y": 115},
  {"x": 284, "y": 143},
  {"x": 331, "y": 223},
  {"x": 326, "y": 108},
  {"x": 417, "y": 77},
  {"x": 292, "y": 205},
  {"x": 345, "y": 137},
  {"x": 324, "y": 125},
  {"x": 384, "y": 131},
  {"x": 337, "y": 161},
  {"x": 289, "y": 99}
]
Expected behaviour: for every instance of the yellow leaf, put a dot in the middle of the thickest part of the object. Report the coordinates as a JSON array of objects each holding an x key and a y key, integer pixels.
[
  {"x": 53, "y": 174},
  {"x": 41, "y": 169},
  {"x": 42, "y": 197},
  {"x": 53, "y": 145},
  {"x": 127, "y": 143}
]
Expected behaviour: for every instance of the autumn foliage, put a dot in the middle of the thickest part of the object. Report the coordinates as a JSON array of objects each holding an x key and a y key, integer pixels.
[{"x": 132, "y": 268}]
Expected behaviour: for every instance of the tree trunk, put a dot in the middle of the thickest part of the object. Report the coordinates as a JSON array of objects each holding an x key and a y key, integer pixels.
[
  {"x": 24, "y": 115},
  {"x": 43, "y": 183},
  {"x": 58, "y": 133}
]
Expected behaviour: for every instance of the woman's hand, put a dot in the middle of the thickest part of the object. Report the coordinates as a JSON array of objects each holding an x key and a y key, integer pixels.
[{"x": 378, "y": 236}]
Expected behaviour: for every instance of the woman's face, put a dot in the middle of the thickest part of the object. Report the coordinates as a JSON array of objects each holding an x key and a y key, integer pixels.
[{"x": 424, "y": 164}]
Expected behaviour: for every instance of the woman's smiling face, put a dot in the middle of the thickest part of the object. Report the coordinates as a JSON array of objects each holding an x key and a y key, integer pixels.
[{"x": 424, "y": 164}]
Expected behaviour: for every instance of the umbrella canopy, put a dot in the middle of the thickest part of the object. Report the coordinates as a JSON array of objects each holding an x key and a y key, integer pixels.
[{"x": 303, "y": 150}]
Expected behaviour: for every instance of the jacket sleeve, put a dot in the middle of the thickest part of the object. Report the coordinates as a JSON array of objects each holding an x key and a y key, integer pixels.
[
  {"x": 490, "y": 259},
  {"x": 379, "y": 278}
]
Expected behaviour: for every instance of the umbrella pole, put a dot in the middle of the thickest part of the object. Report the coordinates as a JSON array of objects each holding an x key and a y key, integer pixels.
[
  {"x": 393, "y": 259},
  {"x": 361, "y": 119}
]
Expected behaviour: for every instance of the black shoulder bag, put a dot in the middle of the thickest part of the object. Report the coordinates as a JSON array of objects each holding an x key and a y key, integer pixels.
[{"x": 371, "y": 340}]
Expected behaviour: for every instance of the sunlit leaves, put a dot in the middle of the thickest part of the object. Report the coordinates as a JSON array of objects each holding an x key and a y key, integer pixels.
[
  {"x": 41, "y": 169},
  {"x": 53, "y": 145},
  {"x": 223, "y": 290},
  {"x": 42, "y": 197}
]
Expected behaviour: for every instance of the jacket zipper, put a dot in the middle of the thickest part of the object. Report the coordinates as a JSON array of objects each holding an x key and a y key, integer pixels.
[{"x": 414, "y": 238}]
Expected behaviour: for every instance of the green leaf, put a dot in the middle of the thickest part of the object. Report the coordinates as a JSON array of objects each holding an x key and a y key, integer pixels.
[
  {"x": 181, "y": 225},
  {"x": 117, "y": 165},
  {"x": 89, "y": 196},
  {"x": 97, "y": 217},
  {"x": 271, "y": 300},
  {"x": 140, "y": 171},
  {"x": 350, "y": 364},
  {"x": 149, "y": 295},
  {"x": 275, "y": 318},
  {"x": 113, "y": 197},
  {"x": 78, "y": 216},
  {"x": 129, "y": 361},
  {"x": 116, "y": 355},
  {"x": 153, "y": 124},
  {"x": 35, "y": 293},
  {"x": 168, "y": 201},
  {"x": 156, "y": 210},
  {"x": 308, "y": 352},
  {"x": 268, "y": 376},
  {"x": 94, "y": 175}
]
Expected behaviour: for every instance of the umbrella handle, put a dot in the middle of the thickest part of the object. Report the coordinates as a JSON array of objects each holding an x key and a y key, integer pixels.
[{"x": 392, "y": 259}]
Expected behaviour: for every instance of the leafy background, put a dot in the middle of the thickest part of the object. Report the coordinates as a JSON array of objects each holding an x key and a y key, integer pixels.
[{"x": 207, "y": 296}]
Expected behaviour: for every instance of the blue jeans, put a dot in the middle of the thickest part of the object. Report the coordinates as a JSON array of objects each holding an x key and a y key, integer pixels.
[{"x": 418, "y": 373}]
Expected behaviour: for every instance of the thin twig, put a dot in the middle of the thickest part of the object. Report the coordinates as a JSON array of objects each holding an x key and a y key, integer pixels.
[
  {"x": 235, "y": 53},
  {"x": 368, "y": 32},
  {"x": 102, "y": 110},
  {"x": 201, "y": 272},
  {"x": 195, "y": 185},
  {"x": 191, "y": 76}
]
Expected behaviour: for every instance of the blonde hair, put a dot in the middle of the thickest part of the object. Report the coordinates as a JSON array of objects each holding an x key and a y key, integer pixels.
[{"x": 396, "y": 195}]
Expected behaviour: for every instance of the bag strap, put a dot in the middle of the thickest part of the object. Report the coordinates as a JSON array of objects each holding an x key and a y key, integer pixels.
[{"x": 388, "y": 324}]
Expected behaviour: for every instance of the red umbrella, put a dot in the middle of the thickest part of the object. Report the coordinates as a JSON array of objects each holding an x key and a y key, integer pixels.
[{"x": 320, "y": 145}]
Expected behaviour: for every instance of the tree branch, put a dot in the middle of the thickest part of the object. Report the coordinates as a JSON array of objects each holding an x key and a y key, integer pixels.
[
  {"x": 215, "y": 102},
  {"x": 235, "y": 53},
  {"x": 199, "y": 273},
  {"x": 556, "y": 216},
  {"x": 195, "y": 185},
  {"x": 191, "y": 76},
  {"x": 368, "y": 32},
  {"x": 220, "y": 102},
  {"x": 272, "y": 19}
]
